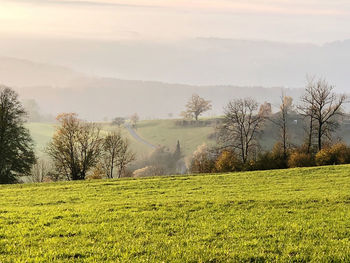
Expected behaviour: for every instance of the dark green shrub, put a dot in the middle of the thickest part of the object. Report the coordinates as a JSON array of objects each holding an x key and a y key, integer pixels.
[{"x": 274, "y": 159}]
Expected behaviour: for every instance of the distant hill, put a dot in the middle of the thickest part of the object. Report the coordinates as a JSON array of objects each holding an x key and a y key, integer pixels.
[
  {"x": 199, "y": 61},
  {"x": 59, "y": 89},
  {"x": 24, "y": 73}
]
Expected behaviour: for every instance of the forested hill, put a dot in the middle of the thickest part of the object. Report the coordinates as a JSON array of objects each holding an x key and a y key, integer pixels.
[{"x": 58, "y": 89}]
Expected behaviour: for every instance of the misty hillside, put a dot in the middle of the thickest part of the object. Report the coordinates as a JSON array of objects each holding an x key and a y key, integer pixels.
[
  {"x": 200, "y": 61},
  {"x": 24, "y": 73},
  {"x": 58, "y": 89}
]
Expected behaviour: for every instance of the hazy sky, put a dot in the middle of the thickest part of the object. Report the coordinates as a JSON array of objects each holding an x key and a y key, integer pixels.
[{"x": 315, "y": 21}]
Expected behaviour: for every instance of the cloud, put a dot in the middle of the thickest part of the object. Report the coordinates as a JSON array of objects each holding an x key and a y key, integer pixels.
[
  {"x": 80, "y": 3},
  {"x": 292, "y": 20},
  {"x": 275, "y": 7}
]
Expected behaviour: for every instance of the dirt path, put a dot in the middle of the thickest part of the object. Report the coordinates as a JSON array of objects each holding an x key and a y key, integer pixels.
[{"x": 137, "y": 137}]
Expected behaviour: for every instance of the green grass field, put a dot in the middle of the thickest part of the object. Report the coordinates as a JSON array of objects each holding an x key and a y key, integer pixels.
[{"x": 297, "y": 215}]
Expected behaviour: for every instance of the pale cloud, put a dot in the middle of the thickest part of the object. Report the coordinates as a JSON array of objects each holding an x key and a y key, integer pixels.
[
  {"x": 312, "y": 20},
  {"x": 79, "y": 3},
  {"x": 312, "y": 7}
]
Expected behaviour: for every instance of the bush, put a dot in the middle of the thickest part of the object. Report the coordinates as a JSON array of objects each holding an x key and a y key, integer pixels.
[
  {"x": 40, "y": 172},
  {"x": 227, "y": 162},
  {"x": 337, "y": 154},
  {"x": 149, "y": 171},
  {"x": 96, "y": 173},
  {"x": 301, "y": 159},
  {"x": 325, "y": 157},
  {"x": 162, "y": 158},
  {"x": 274, "y": 159},
  {"x": 266, "y": 161},
  {"x": 202, "y": 161}
]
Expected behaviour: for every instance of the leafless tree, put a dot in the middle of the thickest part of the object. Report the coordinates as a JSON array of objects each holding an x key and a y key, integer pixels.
[
  {"x": 306, "y": 110},
  {"x": 40, "y": 170},
  {"x": 116, "y": 154},
  {"x": 111, "y": 146},
  {"x": 75, "y": 147},
  {"x": 281, "y": 121},
  {"x": 125, "y": 157},
  {"x": 196, "y": 106},
  {"x": 322, "y": 107},
  {"x": 241, "y": 126}
]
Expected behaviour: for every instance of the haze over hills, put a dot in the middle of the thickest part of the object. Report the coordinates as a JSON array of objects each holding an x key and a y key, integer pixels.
[
  {"x": 57, "y": 89},
  {"x": 208, "y": 66},
  {"x": 216, "y": 49},
  {"x": 24, "y": 73},
  {"x": 200, "y": 61}
]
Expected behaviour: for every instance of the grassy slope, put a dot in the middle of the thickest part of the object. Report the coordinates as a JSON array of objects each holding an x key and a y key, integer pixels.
[
  {"x": 293, "y": 215},
  {"x": 165, "y": 132},
  {"x": 41, "y": 134}
]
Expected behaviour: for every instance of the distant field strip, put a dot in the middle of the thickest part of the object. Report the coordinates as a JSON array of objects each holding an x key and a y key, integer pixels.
[{"x": 297, "y": 215}]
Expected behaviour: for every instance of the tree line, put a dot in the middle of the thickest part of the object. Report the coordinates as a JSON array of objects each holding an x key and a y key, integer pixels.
[
  {"x": 76, "y": 150},
  {"x": 238, "y": 145},
  {"x": 79, "y": 149}
]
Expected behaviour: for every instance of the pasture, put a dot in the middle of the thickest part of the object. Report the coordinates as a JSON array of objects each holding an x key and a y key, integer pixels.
[{"x": 296, "y": 215}]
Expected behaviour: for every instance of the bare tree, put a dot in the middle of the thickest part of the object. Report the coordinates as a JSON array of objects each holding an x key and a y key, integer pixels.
[
  {"x": 111, "y": 147},
  {"x": 282, "y": 122},
  {"x": 125, "y": 157},
  {"x": 241, "y": 126},
  {"x": 196, "y": 106},
  {"x": 75, "y": 147},
  {"x": 116, "y": 154},
  {"x": 307, "y": 111},
  {"x": 40, "y": 170},
  {"x": 322, "y": 107}
]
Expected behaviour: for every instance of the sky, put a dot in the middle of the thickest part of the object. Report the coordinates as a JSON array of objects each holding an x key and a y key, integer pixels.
[
  {"x": 312, "y": 21},
  {"x": 197, "y": 42}
]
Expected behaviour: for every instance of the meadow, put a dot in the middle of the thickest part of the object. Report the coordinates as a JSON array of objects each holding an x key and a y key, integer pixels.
[{"x": 296, "y": 215}]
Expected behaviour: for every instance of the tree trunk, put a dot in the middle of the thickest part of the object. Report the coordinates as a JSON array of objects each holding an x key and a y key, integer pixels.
[
  {"x": 320, "y": 137},
  {"x": 112, "y": 166},
  {"x": 284, "y": 140},
  {"x": 120, "y": 171},
  {"x": 310, "y": 136}
]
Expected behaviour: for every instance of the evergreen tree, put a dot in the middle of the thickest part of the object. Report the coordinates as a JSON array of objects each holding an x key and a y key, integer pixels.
[
  {"x": 177, "y": 153},
  {"x": 16, "y": 146}
]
